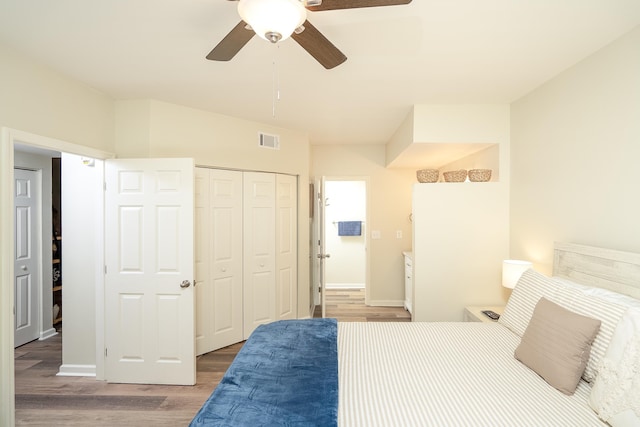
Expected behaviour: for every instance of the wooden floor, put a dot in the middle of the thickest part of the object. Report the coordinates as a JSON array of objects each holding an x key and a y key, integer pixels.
[
  {"x": 43, "y": 399},
  {"x": 347, "y": 305}
]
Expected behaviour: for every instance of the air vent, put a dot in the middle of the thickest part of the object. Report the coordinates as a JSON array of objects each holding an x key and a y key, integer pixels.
[{"x": 269, "y": 141}]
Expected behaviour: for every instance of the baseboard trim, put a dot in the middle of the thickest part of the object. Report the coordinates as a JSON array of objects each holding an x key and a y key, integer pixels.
[
  {"x": 77, "y": 371},
  {"x": 47, "y": 334},
  {"x": 344, "y": 285},
  {"x": 386, "y": 303}
]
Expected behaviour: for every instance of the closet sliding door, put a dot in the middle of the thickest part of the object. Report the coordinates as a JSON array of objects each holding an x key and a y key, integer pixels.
[
  {"x": 219, "y": 298},
  {"x": 286, "y": 247},
  {"x": 246, "y": 254},
  {"x": 259, "y": 239}
]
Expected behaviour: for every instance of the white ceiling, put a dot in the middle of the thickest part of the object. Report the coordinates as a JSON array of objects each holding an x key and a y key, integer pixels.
[{"x": 427, "y": 52}]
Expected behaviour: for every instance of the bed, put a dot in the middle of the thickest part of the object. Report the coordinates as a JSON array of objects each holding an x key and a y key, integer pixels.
[{"x": 324, "y": 373}]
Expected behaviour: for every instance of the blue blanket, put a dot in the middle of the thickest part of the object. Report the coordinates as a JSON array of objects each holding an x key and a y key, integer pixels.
[{"x": 286, "y": 374}]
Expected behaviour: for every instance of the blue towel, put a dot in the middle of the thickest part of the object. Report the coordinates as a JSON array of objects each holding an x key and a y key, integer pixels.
[{"x": 349, "y": 228}]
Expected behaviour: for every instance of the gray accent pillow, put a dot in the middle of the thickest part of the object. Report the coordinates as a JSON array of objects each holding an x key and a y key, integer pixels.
[{"x": 556, "y": 344}]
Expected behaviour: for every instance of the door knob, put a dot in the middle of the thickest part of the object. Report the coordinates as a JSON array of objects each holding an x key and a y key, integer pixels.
[
  {"x": 23, "y": 267},
  {"x": 185, "y": 284}
]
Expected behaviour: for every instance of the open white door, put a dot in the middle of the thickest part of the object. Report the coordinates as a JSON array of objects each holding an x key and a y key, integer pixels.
[
  {"x": 27, "y": 267},
  {"x": 149, "y": 310},
  {"x": 321, "y": 255}
]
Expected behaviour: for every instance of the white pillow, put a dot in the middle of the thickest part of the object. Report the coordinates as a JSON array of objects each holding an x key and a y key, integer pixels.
[
  {"x": 609, "y": 313},
  {"x": 531, "y": 286},
  {"x": 615, "y": 394}
]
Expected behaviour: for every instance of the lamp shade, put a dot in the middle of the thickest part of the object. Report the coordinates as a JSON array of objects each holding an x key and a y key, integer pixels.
[
  {"x": 512, "y": 269},
  {"x": 273, "y": 20}
]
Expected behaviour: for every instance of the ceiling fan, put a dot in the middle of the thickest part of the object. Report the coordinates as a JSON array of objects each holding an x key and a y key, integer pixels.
[{"x": 277, "y": 20}]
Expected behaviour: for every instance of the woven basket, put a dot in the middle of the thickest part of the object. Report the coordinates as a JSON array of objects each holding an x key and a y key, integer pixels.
[
  {"x": 479, "y": 175},
  {"x": 455, "y": 176},
  {"x": 427, "y": 175}
]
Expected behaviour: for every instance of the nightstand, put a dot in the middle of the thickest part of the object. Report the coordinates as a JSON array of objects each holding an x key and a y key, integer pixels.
[{"x": 474, "y": 313}]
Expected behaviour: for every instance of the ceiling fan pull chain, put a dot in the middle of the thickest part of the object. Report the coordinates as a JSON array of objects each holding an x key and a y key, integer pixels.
[{"x": 275, "y": 92}]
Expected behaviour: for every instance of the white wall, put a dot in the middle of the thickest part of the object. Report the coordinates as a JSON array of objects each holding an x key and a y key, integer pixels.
[
  {"x": 82, "y": 219},
  {"x": 346, "y": 202},
  {"x": 466, "y": 123},
  {"x": 574, "y": 159},
  {"x": 460, "y": 232},
  {"x": 460, "y": 239},
  {"x": 389, "y": 209},
  {"x": 489, "y": 158}
]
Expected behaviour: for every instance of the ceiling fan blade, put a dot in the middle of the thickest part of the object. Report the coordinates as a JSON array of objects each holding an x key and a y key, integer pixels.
[
  {"x": 319, "y": 46},
  {"x": 353, "y": 4},
  {"x": 231, "y": 43}
]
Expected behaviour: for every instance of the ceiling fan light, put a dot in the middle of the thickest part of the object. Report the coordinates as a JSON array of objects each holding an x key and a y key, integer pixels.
[{"x": 268, "y": 17}]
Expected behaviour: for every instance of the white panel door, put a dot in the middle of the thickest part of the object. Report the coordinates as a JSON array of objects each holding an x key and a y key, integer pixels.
[
  {"x": 26, "y": 268},
  {"x": 149, "y": 307},
  {"x": 321, "y": 256},
  {"x": 202, "y": 239},
  {"x": 286, "y": 247},
  {"x": 259, "y": 250},
  {"x": 218, "y": 259}
]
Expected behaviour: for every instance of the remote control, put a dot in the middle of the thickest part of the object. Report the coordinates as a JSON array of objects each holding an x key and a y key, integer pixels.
[{"x": 491, "y": 314}]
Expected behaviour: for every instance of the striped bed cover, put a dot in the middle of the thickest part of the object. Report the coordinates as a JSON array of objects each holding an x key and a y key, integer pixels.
[{"x": 446, "y": 374}]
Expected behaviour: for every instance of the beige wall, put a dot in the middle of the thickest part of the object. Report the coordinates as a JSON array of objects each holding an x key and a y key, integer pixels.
[
  {"x": 575, "y": 148},
  {"x": 389, "y": 208},
  {"x": 149, "y": 128},
  {"x": 38, "y": 100},
  {"x": 401, "y": 139}
]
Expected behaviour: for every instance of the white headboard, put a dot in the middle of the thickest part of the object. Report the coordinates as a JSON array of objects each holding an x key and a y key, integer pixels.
[{"x": 603, "y": 268}]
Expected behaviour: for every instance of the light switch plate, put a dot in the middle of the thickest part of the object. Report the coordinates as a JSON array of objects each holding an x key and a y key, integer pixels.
[
  {"x": 398, "y": 234},
  {"x": 375, "y": 234}
]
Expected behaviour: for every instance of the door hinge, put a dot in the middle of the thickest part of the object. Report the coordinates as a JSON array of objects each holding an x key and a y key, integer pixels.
[
  {"x": 105, "y": 186},
  {"x": 105, "y": 269},
  {"x": 105, "y": 352}
]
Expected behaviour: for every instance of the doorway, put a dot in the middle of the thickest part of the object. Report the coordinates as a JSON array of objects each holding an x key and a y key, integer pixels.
[
  {"x": 340, "y": 235},
  {"x": 345, "y": 233},
  {"x": 86, "y": 254},
  {"x": 40, "y": 163}
]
